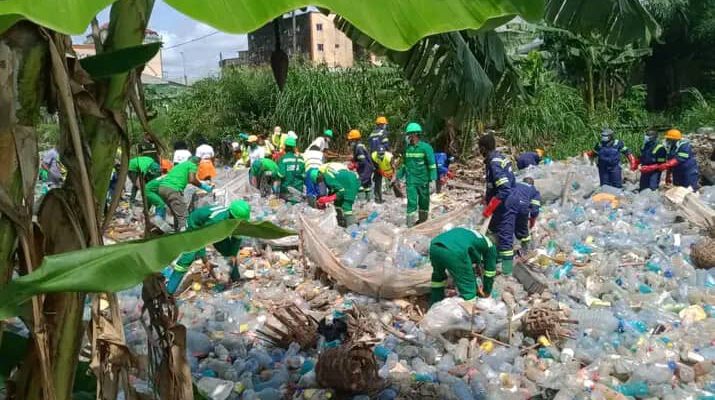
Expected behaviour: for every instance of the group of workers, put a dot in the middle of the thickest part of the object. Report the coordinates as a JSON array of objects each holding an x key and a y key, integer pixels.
[
  {"x": 469, "y": 257},
  {"x": 675, "y": 157}
]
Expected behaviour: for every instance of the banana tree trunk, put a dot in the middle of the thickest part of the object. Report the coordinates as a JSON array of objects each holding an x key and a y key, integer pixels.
[
  {"x": 589, "y": 87},
  {"x": 22, "y": 84}
]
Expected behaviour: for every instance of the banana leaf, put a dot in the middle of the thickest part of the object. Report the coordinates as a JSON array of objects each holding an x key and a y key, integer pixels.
[
  {"x": 620, "y": 22},
  {"x": 120, "y": 266},
  {"x": 397, "y": 24},
  {"x": 119, "y": 61}
]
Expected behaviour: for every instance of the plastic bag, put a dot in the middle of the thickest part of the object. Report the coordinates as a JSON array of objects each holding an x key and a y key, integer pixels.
[{"x": 449, "y": 314}]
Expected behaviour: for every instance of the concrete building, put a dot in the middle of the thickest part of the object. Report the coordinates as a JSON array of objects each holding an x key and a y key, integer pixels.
[
  {"x": 315, "y": 39},
  {"x": 154, "y": 68}
]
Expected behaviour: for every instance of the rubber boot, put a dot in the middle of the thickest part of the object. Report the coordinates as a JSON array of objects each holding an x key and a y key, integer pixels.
[
  {"x": 368, "y": 194},
  {"x": 411, "y": 220},
  {"x": 350, "y": 220},
  {"x": 235, "y": 275},
  {"x": 507, "y": 265},
  {"x": 340, "y": 217},
  {"x": 423, "y": 216},
  {"x": 378, "y": 195},
  {"x": 174, "y": 281}
]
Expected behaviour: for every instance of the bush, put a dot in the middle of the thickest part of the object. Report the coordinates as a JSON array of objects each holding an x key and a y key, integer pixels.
[{"x": 314, "y": 99}]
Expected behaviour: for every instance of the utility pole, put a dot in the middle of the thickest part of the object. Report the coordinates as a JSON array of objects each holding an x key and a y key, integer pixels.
[{"x": 183, "y": 64}]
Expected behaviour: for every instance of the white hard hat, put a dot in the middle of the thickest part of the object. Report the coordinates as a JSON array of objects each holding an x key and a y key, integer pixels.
[
  {"x": 292, "y": 134},
  {"x": 277, "y": 129},
  {"x": 234, "y": 145}
]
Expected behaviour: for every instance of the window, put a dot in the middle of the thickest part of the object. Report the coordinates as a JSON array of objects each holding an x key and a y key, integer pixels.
[
  {"x": 337, "y": 46},
  {"x": 318, "y": 27},
  {"x": 320, "y": 47}
]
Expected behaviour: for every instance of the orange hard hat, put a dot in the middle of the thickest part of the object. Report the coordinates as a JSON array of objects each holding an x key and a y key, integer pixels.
[
  {"x": 354, "y": 134},
  {"x": 381, "y": 120},
  {"x": 674, "y": 134}
]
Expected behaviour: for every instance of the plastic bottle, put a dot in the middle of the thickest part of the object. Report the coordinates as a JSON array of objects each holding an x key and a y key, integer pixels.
[
  {"x": 372, "y": 217},
  {"x": 215, "y": 389},
  {"x": 563, "y": 272},
  {"x": 634, "y": 389},
  {"x": 269, "y": 394},
  {"x": 355, "y": 253},
  {"x": 461, "y": 391},
  {"x": 279, "y": 378},
  {"x": 381, "y": 352}
]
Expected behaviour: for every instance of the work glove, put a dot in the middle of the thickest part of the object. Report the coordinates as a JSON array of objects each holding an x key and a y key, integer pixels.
[
  {"x": 646, "y": 169},
  {"x": 352, "y": 166},
  {"x": 588, "y": 154},
  {"x": 672, "y": 163},
  {"x": 634, "y": 162},
  {"x": 324, "y": 200},
  {"x": 491, "y": 207},
  {"x": 532, "y": 222},
  {"x": 207, "y": 188}
]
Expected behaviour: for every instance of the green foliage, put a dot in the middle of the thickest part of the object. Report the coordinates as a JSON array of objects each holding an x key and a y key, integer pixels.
[
  {"x": 314, "y": 99},
  {"x": 409, "y": 21},
  {"x": 699, "y": 115},
  {"x": 120, "y": 266}
]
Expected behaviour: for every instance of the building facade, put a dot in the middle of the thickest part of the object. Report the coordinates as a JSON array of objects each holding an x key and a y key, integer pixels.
[{"x": 314, "y": 39}]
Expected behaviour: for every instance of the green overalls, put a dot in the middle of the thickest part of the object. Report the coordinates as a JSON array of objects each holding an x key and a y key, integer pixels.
[
  {"x": 345, "y": 185},
  {"x": 455, "y": 251},
  {"x": 228, "y": 247},
  {"x": 420, "y": 169},
  {"x": 291, "y": 171}
]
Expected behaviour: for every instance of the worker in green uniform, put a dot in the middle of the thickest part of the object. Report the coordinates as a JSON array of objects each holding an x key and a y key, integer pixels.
[
  {"x": 420, "y": 169},
  {"x": 264, "y": 175},
  {"x": 344, "y": 185},
  {"x": 171, "y": 189},
  {"x": 457, "y": 251},
  {"x": 141, "y": 167},
  {"x": 228, "y": 247},
  {"x": 291, "y": 172},
  {"x": 151, "y": 190}
]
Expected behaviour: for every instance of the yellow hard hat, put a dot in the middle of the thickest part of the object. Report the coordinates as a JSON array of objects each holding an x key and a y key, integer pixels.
[
  {"x": 354, "y": 134},
  {"x": 674, "y": 134},
  {"x": 381, "y": 120},
  {"x": 540, "y": 152},
  {"x": 252, "y": 139}
]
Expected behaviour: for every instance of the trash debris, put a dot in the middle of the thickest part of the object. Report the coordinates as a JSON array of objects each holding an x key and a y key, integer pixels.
[{"x": 614, "y": 298}]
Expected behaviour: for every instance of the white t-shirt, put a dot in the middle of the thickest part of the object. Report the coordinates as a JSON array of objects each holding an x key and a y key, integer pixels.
[
  {"x": 181, "y": 156},
  {"x": 319, "y": 143},
  {"x": 205, "y": 152},
  {"x": 313, "y": 159},
  {"x": 256, "y": 153}
]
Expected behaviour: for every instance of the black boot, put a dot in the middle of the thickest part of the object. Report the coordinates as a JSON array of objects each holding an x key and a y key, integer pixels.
[{"x": 424, "y": 215}]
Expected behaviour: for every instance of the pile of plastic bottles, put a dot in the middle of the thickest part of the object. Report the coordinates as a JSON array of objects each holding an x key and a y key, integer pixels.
[{"x": 645, "y": 316}]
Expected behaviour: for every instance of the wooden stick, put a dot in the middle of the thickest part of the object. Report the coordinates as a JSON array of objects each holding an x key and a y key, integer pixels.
[
  {"x": 480, "y": 336},
  {"x": 567, "y": 188}
]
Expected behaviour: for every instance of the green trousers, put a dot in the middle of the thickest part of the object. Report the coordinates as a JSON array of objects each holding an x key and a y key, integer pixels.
[
  {"x": 417, "y": 199},
  {"x": 151, "y": 190},
  {"x": 459, "y": 268}
]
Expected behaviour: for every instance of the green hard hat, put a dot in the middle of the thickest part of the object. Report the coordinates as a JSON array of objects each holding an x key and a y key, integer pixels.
[
  {"x": 240, "y": 209},
  {"x": 413, "y": 127},
  {"x": 154, "y": 169},
  {"x": 313, "y": 174},
  {"x": 328, "y": 133},
  {"x": 243, "y": 136},
  {"x": 290, "y": 141}
]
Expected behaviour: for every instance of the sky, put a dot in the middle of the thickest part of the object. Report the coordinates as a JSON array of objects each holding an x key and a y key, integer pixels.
[{"x": 201, "y": 56}]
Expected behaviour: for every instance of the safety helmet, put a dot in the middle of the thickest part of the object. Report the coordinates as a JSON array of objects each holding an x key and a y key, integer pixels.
[
  {"x": 277, "y": 129},
  {"x": 234, "y": 146},
  {"x": 290, "y": 142},
  {"x": 154, "y": 169},
  {"x": 413, "y": 128},
  {"x": 354, "y": 135},
  {"x": 292, "y": 134},
  {"x": 606, "y": 135},
  {"x": 540, "y": 152},
  {"x": 673, "y": 134},
  {"x": 328, "y": 133},
  {"x": 240, "y": 209},
  {"x": 243, "y": 136},
  {"x": 381, "y": 150},
  {"x": 381, "y": 120},
  {"x": 313, "y": 175},
  {"x": 252, "y": 139}
]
